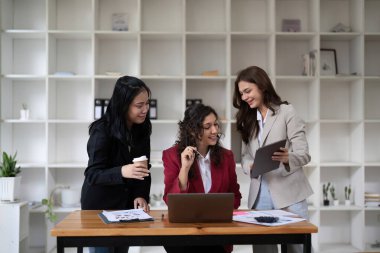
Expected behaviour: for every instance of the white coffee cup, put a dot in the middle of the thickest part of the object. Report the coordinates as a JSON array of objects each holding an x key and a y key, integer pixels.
[{"x": 140, "y": 159}]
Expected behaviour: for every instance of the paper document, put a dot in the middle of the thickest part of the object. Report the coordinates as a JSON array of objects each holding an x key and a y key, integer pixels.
[
  {"x": 132, "y": 215},
  {"x": 283, "y": 217}
]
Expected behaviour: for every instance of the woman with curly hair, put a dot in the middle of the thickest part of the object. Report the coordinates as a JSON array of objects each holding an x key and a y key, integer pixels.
[{"x": 197, "y": 163}]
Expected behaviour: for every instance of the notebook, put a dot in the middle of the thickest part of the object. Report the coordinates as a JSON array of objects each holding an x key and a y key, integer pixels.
[
  {"x": 263, "y": 159},
  {"x": 200, "y": 207}
]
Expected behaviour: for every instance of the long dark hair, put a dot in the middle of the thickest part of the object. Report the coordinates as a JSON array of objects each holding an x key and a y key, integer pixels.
[
  {"x": 246, "y": 118},
  {"x": 126, "y": 89},
  {"x": 191, "y": 127}
]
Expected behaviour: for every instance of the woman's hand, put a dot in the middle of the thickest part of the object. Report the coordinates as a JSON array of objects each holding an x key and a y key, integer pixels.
[
  {"x": 282, "y": 156},
  {"x": 141, "y": 203},
  {"x": 187, "y": 159},
  {"x": 137, "y": 170}
]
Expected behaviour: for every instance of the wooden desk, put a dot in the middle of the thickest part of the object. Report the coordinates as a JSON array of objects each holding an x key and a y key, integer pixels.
[{"x": 84, "y": 228}]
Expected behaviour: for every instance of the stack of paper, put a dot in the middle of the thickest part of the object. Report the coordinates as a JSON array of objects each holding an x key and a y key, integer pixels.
[{"x": 283, "y": 217}]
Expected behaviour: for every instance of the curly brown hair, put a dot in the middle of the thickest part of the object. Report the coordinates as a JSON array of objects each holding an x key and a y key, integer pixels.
[{"x": 191, "y": 127}]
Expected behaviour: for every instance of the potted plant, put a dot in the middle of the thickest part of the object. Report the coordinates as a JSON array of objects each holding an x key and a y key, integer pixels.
[
  {"x": 332, "y": 192},
  {"x": 325, "y": 189},
  {"x": 24, "y": 112},
  {"x": 347, "y": 194},
  {"x": 50, "y": 202},
  {"x": 10, "y": 180}
]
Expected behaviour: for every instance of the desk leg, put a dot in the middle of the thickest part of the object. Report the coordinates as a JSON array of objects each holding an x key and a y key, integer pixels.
[
  {"x": 284, "y": 248},
  {"x": 307, "y": 244},
  {"x": 60, "y": 248},
  {"x": 80, "y": 250}
]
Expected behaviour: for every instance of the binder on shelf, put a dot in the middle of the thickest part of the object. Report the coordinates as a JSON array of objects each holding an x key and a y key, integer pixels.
[
  {"x": 100, "y": 107},
  {"x": 153, "y": 109},
  {"x": 98, "y": 111},
  {"x": 105, "y": 105},
  {"x": 190, "y": 102}
]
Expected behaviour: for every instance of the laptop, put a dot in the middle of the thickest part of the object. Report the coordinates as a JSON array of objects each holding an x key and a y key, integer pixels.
[
  {"x": 263, "y": 158},
  {"x": 200, "y": 207}
]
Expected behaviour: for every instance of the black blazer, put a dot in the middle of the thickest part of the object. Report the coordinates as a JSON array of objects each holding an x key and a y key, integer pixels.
[{"x": 104, "y": 187}]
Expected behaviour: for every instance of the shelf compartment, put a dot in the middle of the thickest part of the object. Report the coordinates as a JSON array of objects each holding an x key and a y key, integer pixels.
[
  {"x": 105, "y": 8},
  {"x": 312, "y": 174},
  {"x": 23, "y": 56},
  {"x": 372, "y": 17},
  {"x": 199, "y": 18},
  {"x": 372, "y": 232},
  {"x": 67, "y": 142},
  {"x": 372, "y": 55},
  {"x": 347, "y": 12},
  {"x": 305, "y": 11},
  {"x": 205, "y": 53},
  {"x": 340, "y": 177},
  {"x": 341, "y": 231},
  {"x": 371, "y": 99},
  {"x": 168, "y": 19},
  {"x": 347, "y": 103},
  {"x": 79, "y": 11},
  {"x": 169, "y": 104},
  {"x": 23, "y": 91},
  {"x": 341, "y": 142},
  {"x": 32, "y": 183},
  {"x": 257, "y": 11},
  {"x": 348, "y": 52},
  {"x": 70, "y": 99},
  {"x": 212, "y": 92},
  {"x": 236, "y": 143},
  {"x": 163, "y": 137},
  {"x": 70, "y": 53},
  {"x": 162, "y": 55},
  {"x": 30, "y": 148},
  {"x": 312, "y": 133},
  {"x": 372, "y": 174},
  {"x": 58, "y": 178},
  {"x": 248, "y": 50},
  {"x": 116, "y": 53},
  {"x": 289, "y": 51},
  {"x": 302, "y": 95},
  {"x": 23, "y": 15},
  {"x": 371, "y": 142}
]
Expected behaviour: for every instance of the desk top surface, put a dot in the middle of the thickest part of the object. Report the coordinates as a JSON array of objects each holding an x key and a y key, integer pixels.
[{"x": 88, "y": 223}]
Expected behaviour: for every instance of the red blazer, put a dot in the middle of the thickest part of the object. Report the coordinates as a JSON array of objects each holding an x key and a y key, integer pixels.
[{"x": 223, "y": 177}]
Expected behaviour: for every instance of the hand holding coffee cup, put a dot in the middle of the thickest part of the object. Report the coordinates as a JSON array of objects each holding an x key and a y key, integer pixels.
[{"x": 137, "y": 170}]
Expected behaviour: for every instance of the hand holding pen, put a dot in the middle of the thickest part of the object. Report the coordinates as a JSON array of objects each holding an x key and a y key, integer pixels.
[{"x": 187, "y": 158}]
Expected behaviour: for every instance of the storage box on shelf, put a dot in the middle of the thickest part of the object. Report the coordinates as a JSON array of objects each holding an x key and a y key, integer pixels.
[{"x": 58, "y": 56}]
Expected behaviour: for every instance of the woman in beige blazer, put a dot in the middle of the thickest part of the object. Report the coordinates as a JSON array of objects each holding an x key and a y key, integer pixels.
[{"x": 263, "y": 118}]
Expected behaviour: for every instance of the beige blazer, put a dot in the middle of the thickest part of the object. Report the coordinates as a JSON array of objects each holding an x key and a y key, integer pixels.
[{"x": 287, "y": 184}]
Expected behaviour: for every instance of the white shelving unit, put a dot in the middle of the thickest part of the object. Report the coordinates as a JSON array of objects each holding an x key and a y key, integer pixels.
[{"x": 169, "y": 44}]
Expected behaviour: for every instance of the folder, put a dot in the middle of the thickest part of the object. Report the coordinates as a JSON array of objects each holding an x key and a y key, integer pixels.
[
  {"x": 131, "y": 215},
  {"x": 263, "y": 159}
]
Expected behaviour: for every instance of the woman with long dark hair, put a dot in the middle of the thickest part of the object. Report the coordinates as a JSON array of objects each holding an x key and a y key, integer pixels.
[
  {"x": 112, "y": 180},
  {"x": 197, "y": 163},
  {"x": 263, "y": 118}
]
